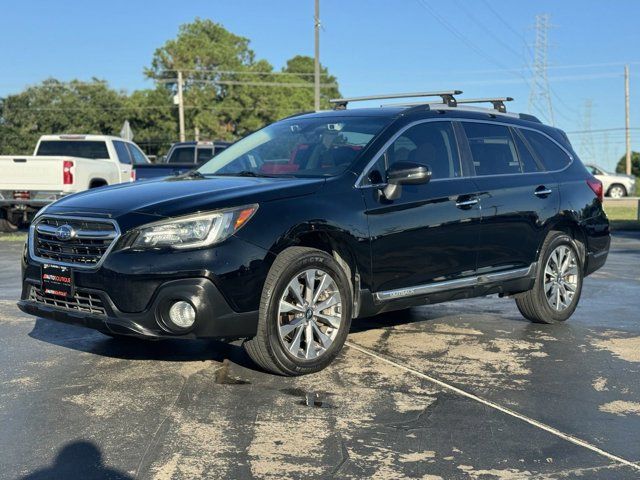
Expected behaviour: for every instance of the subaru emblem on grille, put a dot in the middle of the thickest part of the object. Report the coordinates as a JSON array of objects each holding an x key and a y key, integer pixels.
[{"x": 65, "y": 232}]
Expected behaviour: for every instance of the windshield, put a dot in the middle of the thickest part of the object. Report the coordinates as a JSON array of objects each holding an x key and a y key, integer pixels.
[
  {"x": 320, "y": 146},
  {"x": 95, "y": 150}
]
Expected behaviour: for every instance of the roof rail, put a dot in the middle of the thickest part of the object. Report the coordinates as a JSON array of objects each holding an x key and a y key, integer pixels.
[
  {"x": 447, "y": 98},
  {"x": 498, "y": 103}
]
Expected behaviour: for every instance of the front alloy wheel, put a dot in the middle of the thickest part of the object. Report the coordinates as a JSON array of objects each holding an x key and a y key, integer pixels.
[
  {"x": 309, "y": 314},
  {"x": 617, "y": 191},
  {"x": 305, "y": 313}
]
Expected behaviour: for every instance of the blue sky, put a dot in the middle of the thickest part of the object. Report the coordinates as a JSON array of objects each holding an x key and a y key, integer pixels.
[{"x": 372, "y": 46}]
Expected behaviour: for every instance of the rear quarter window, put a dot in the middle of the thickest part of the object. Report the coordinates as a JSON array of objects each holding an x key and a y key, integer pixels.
[{"x": 548, "y": 152}]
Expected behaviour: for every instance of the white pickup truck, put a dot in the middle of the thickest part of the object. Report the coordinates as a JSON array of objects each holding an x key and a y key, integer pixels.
[{"x": 61, "y": 165}]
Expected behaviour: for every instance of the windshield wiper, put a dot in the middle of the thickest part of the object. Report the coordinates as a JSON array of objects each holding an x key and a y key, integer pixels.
[{"x": 243, "y": 173}]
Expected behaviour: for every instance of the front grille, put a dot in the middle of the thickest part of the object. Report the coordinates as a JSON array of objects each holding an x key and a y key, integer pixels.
[
  {"x": 89, "y": 242},
  {"x": 81, "y": 301}
]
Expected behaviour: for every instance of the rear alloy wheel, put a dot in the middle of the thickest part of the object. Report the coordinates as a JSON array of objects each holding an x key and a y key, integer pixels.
[
  {"x": 305, "y": 313},
  {"x": 556, "y": 291},
  {"x": 617, "y": 191}
]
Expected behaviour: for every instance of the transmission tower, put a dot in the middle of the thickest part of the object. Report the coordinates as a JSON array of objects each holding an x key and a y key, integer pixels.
[
  {"x": 586, "y": 142},
  {"x": 540, "y": 95}
]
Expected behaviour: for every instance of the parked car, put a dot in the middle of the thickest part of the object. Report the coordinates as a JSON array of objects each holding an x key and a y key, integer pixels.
[
  {"x": 615, "y": 185},
  {"x": 321, "y": 218},
  {"x": 62, "y": 165},
  {"x": 182, "y": 157}
]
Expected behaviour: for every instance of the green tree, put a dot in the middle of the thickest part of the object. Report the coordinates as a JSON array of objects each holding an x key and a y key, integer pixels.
[
  {"x": 153, "y": 118},
  {"x": 635, "y": 164},
  {"x": 227, "y": 91},
  {"x": 55, "y": 107}
]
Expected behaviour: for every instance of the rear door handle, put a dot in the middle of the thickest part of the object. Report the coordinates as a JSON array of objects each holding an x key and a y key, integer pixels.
[
  {"x": 466, "y": 203},
  {"x": 542, "y": 191}
]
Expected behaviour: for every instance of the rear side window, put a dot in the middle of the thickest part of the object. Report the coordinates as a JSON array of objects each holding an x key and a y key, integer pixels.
[
  {"x": 94, "y": 150},
  {"x": 182, "y": 155},
  {"x": 550, "y": 154},
  {"x": 492, "y": 148},
  {"x": 527, "y": 160},
  {"x": 122, "y": 152}
]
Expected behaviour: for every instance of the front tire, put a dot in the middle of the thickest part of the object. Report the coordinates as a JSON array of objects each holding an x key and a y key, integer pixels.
[
  {"x": 617, "y": 191},
  {"x": 558, "y": 284},
  {"x": 305, "y": 313}
]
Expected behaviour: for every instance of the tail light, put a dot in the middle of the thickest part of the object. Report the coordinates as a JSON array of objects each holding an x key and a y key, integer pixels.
[
  {"x": 133, "y": 175},
  {"x": 596, "y": 186},
  {"x": 67, "y": 174}
]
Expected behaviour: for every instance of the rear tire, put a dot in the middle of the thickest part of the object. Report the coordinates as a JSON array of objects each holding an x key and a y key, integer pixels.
[
  {"x": 558, "y": 284},
  {"x": 296, "y": 335},
  {"x": 6, "y": 226}
]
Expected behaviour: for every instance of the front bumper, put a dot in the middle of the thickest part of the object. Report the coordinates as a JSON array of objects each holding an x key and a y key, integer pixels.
[{"x": 214, "y": 317}]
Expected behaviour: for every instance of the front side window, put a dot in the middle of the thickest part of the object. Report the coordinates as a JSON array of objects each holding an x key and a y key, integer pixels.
[
  {"x": 138, "y": 156},
  {"x": 95, "y": 150},
  {"x": 430, "y": 143},
  {"x": 301, "y": 147},
  {"x": 492, "y": 148},
  {"x": 550, "y": 154}
]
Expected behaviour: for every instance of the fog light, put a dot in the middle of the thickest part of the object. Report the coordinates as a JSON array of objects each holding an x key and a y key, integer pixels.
[{"x": 182, "y": 314}]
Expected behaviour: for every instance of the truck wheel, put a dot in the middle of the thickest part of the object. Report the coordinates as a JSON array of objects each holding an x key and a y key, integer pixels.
[
  {"x": 556, "y": 291},
  {"x": 6, "y": 226},
  {"x": 617, "y": 191},
  {"x": 305, "y": 313}
]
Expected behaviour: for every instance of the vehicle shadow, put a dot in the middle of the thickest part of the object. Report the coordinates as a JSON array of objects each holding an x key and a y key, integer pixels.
[
  {"x": 79, "y": 459},
  {"x": 170, "y": 350}
]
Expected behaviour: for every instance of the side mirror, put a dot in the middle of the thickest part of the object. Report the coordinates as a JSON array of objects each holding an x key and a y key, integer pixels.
[{"x": 405, "y": 173}]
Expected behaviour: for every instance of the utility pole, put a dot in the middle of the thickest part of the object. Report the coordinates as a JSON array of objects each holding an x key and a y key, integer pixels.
[
  {"x": 181, "y": 106},
  {"x": 627, "y": 131},
  {"x": 540, "y": 96},
  {"x": 316, "y": 101}
]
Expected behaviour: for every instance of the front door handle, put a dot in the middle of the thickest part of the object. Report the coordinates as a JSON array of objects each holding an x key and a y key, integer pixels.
[
  {"x": 466, "y": 203},
  {"x": 542, "y": 191}
]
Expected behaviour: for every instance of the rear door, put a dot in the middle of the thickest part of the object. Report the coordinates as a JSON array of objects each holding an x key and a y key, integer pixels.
[
  {"x": 430, "y": 233},
  {"x": 124, "y": 160},
  {"x": 517, "y": 196}
]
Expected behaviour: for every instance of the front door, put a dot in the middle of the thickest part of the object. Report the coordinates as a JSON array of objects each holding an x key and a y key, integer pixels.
[{"x": 430, "y": 232}]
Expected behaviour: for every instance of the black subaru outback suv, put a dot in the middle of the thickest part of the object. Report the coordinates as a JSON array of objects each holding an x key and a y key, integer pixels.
[{"x": 292, "y": 232}]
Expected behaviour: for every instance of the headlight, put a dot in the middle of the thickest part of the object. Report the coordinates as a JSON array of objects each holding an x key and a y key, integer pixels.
[{"x": 194, "y": 231}]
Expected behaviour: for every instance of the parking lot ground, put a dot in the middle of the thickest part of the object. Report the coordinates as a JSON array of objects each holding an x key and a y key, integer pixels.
[{"x": 467, "y": 389}]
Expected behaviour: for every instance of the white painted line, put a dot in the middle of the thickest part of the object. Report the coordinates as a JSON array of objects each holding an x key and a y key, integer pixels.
[{"x": 496, "y": 406}]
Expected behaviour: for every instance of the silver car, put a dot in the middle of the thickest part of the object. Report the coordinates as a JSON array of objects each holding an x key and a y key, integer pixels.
[{"x": 615, "y": 185}]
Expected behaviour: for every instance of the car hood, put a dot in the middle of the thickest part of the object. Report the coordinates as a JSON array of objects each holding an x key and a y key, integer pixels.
[{"x": 171, "y": 197}]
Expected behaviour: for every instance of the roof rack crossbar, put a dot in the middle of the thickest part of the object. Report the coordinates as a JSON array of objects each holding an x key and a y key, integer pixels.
[
  {"x": 498, "y": 103},
  {"x": 447, "y": 98}
]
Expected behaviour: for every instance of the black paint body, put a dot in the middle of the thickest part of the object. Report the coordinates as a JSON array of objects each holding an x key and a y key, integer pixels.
[{"x": 420, "y": 238}]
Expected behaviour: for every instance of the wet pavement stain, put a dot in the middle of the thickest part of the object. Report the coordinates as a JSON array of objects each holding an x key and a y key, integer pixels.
[{"x": 222, "y": 376}]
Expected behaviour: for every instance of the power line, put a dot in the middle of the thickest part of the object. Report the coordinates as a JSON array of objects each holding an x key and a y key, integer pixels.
[{"x": 456, "y": 33}]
